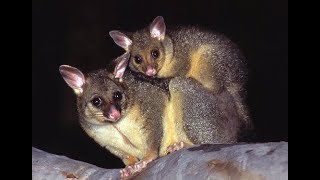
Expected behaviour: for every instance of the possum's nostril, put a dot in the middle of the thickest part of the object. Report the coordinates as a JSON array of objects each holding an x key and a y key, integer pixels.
[
  {"x": 113, "y": 114},
  {"x": 151, "y": 71}
]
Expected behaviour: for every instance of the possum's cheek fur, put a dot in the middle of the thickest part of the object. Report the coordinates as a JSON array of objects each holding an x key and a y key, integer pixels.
[
  {"x": 159, "y": 63},
  {"x": 94, "y": 115},
  {"x": 136, "y": 67}
]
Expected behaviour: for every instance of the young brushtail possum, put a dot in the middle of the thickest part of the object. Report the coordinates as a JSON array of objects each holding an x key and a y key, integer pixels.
[
  {"x": 209, "y": 58},
  {"x": 125, "y": 118}
]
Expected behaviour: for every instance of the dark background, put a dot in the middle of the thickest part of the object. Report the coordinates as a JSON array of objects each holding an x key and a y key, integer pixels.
[{"x": 76, "y": 33}]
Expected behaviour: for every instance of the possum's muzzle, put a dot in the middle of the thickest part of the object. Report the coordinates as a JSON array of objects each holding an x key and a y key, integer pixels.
[{"x": 113, "y": 114}]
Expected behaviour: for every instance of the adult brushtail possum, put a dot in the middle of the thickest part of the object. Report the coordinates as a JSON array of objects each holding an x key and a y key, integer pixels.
[
  {"x": 123, "y": 117},
  {"x": 210, "y": 58}
]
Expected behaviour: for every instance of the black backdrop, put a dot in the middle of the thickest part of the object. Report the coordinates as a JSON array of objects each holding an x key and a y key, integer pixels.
[{"x": 76, "y": 33}]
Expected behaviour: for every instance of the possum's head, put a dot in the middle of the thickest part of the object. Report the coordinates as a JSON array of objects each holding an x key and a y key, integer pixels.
[
  {"x": 146, "y": 47},
  {"x": 99, "y": 99}
]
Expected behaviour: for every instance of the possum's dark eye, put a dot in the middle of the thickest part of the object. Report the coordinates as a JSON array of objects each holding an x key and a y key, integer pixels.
[
  {"x": 155, "y": 53},
  {"x": 117, "y": 96},
  {"x": 138, "y": 59},
  {"x": 97, "y": 101}
]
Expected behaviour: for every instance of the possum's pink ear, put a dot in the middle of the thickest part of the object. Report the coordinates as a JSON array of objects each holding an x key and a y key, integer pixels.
[
  {"x": 121, "y": 39},
  {"x": 73, "y": 77},
  {"x": 121, "y": 65},
  {"x": 158, "y": 28}
]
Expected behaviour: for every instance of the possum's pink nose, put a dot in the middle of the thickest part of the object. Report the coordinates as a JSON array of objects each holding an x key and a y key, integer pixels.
[
  {"x": 114, "y": 114},
  {"x": 151, "y": 71}
]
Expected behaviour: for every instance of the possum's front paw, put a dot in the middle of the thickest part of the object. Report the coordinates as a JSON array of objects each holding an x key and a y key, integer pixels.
[
  {"x": 131, "y": 171},
  {"x": 175, "y": 147}
]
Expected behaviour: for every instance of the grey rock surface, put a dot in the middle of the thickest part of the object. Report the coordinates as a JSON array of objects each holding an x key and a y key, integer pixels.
[
  {"x": 208, "y": 161},
  {"x": 50, "y": 166}
]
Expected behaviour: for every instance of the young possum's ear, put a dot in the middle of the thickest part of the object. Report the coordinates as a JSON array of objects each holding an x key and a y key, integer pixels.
[
  {"x": 73, "y": 77},
  {"x": 121, "y": 39},
  {"x": 121, "y": 65},
  {"x": 158, "y": 28}
]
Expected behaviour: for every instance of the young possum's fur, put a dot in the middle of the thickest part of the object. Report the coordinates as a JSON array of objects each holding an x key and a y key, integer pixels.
[
  {"x": 209, "y": 58},
  {"x": 123, "y": 117}
]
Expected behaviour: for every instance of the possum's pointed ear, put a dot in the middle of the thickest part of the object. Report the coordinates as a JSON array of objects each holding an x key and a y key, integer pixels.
[
  {"x": 73, "y": 77},
  {"x": 121, "y": 39},
  {"x": 121, "y": 64},
  {"x": 158, "y": 28}
]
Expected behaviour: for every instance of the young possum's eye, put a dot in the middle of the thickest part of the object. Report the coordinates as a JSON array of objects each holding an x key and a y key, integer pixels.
[
  {"x": 97, "y": 101},
  {"x": 155, "y": 53},
  {"x": 117, "y": 96},
  {"x": 138, "y": 59}
]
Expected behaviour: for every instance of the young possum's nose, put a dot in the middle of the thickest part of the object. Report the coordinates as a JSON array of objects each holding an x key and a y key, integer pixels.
[
  {"x": 113, "y": 114},
  {"x": 151, "y": 71}
]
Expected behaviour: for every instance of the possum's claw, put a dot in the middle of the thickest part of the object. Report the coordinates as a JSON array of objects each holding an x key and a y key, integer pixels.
[
  {"x": 130, "y": 171},
  {"x": 175, "y": 147}
]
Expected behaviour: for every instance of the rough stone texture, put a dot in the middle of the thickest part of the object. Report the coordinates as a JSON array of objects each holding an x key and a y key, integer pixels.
[
  {"x": 50, "y": 166},
  {"x": 233, "y": 161}
]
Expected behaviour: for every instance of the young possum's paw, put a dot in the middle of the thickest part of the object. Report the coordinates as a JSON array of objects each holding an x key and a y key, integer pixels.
[
  {"x": 175, "y": 147},
  {"x": 130, "y": 171}
]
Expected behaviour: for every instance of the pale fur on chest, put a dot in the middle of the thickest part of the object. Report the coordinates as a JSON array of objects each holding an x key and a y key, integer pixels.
[{"x": 125, "y": 136}]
